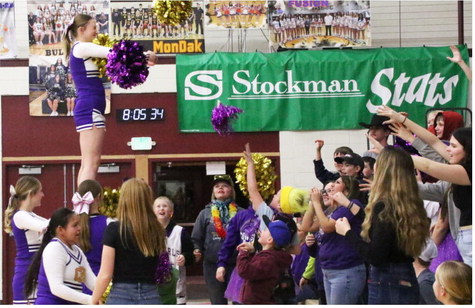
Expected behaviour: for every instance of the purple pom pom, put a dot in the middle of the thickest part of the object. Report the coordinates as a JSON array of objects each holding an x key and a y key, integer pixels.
[
  {"x": 163, "y": 272},
  {"x": 222, "y": 116},
  {"x": 127, "y": 64}
]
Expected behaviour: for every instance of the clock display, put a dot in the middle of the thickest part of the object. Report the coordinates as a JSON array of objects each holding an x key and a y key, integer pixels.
[{"x": 140, "y": 114}]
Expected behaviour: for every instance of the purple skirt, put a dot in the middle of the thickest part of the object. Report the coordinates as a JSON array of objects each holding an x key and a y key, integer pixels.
[
  {"x": 447, "y": 250},
  {"x": 233, "y": 291}
]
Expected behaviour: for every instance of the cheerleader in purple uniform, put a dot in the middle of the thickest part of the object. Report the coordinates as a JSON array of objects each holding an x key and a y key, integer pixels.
[
  {"x": 86, "y": 203},
  {"x": 27, "y": 229},
  {"x": 91, "y": 100},
  {"x": 59, "y": 268}
]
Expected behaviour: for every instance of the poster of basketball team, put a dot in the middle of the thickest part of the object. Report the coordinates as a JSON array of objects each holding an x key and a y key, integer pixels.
[
  {"x": 7, "y": 30},
  {"x": 319, "y": 23},
  {"x": 236, "y": 14},
  {"x": 135, "y": 20},
  {"x": 52, "y": 91}
]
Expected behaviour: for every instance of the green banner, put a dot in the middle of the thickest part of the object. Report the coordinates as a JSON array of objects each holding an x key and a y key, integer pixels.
[{"x": 317, "y": 90}]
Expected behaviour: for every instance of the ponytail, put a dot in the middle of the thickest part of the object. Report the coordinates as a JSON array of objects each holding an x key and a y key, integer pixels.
[
  {"x": 31, "y": 278},
  {"x": 95, "y": 189},
  {"x": 80, "y": 20},
  {"x": 24, "y": 187},
  {"x": 60, "y": 218}
]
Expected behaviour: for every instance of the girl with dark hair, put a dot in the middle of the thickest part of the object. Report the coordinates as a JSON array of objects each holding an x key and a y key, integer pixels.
[
  {"x": 394, "y": 231},
  {"x": 60, "y": 268},
  {"x": 27, "y": 229}
]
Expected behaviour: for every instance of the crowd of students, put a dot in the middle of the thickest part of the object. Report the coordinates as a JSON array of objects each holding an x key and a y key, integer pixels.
[
  {"x": 362, "y": 239},
  {"x": 367, "y": 226}
]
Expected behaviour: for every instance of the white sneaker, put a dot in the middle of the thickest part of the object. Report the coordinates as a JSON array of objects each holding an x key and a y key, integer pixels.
[
  {"x": 68, "y": 114},
  {"x": 72, "y": 113}
]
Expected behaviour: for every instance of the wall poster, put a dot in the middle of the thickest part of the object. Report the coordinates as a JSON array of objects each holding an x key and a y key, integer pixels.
[
  {"x": 236, "y": 14},
  {"x": 52, "y": 92},
  {"x": 7, "y": 30},
  {"x": 135, "y": 20},
  {"x": 305, "y": 24}
]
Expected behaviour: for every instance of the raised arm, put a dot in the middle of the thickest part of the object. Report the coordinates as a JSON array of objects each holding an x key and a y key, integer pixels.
[
  {"x": 420, "y": 131},
  {"x": 455, "y": 174},
  {"x": 457, "y": 58},
  {"x": 254, "y": 195},
  {"x": 327, "y": 224}
]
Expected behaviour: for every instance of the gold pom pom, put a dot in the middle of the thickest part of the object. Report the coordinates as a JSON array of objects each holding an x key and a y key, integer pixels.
[
  {"x": 103, "y": 40},
  {"x": 265, "y": 175},
  {"x": 172, "y": 12},
  {"x": 106, "y": 293},
  {"x": 110, "y": 201}
]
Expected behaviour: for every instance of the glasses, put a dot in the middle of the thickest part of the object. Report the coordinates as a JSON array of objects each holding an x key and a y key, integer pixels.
[{"x": 324, "y": 192}]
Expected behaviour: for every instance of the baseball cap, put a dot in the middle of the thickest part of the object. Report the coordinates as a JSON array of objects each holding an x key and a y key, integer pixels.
[
  {"x": 279, "y": 231},
  {"x": 352, "y": 159},
  {"x": 223, "y": 178}
]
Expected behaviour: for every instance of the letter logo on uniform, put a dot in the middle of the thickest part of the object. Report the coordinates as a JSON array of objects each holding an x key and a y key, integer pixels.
[{"x": 203, "y": 85}]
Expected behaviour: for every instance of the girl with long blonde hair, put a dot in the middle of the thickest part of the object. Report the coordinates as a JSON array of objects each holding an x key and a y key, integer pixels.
[
  {"x": 26, "y": 227},
  {"x": 132, "y": 246},
  {"x": 394, "y": 231}
]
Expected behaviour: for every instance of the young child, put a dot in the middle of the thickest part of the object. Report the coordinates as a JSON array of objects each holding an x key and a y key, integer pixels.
[
  {"x": 60, "y": 268},
  {"x": 27, "y": 229},
  {"x": 453, "y": 283},
  {"x": 179, "y": 244},
  {"x": 261, "y": 271},
  {"x": 86, "y": 203}
]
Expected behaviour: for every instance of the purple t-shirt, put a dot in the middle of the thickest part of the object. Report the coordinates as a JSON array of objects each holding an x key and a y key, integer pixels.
[{"x": 335, "y": 251}]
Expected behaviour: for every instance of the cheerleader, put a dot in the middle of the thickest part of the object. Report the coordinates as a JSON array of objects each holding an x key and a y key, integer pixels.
[
  {"x": 91, "y": 101},
  {"x": 55, "y": 95},
  {"x": 27, "y": 229},
  {"x": 86, "y": 203},
  {"x": 60, "y": 268},
  {"x": 277, "y": 29},
  {"x": 70, "y": 95}
]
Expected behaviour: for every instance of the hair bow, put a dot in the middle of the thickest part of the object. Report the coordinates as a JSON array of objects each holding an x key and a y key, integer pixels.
[
  {"x": 12, "y": 194},
  {"x": 81, "y": 203}
]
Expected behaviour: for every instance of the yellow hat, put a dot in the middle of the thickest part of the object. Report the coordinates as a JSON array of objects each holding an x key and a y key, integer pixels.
[{"x": 293, "y": 200}]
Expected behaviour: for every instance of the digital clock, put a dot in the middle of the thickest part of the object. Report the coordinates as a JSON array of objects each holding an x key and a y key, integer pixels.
[{"x": 140, "y": 114}]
